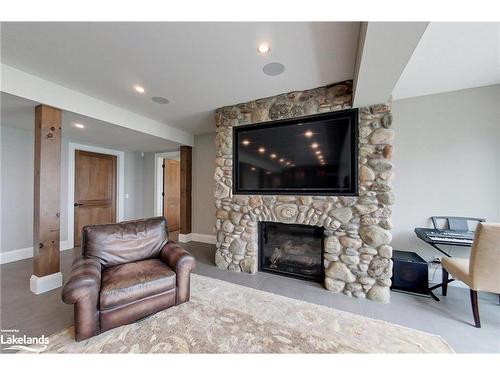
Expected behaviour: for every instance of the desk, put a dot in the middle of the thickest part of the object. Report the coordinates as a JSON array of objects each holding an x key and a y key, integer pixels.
[
  {"x": 465, "y": 238},
  {"x": 458, "y": 233}
]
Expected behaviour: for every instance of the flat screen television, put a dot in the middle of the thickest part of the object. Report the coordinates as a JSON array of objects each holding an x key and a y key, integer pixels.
[{"x": 313, "y": 155}]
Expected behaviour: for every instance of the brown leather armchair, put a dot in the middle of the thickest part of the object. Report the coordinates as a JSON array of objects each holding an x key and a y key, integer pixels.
[{"x": 127, "y": 271}]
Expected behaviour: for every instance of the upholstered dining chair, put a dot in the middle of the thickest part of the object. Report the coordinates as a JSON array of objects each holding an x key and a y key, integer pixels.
[{"x": 481, "y": 272}]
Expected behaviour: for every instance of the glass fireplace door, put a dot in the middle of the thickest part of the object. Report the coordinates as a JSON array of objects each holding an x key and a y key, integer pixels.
[{"x": 291, "y": 249}]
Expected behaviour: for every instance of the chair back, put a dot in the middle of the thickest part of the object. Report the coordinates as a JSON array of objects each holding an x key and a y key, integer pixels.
[
  {"x": 485, "y": 258},
  {"x": 125, "y": 242}
]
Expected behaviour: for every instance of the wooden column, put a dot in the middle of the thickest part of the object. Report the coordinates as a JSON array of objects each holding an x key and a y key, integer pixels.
[
  {"x": 186, "y": 170},
  {"x": 46, "y": 271}
]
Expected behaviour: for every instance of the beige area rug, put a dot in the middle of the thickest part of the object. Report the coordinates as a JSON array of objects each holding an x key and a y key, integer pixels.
[{"x": 227, "y": 318}]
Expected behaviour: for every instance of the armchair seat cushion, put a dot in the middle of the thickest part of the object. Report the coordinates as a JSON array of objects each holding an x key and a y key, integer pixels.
[
  {"x": 129, "y": 282},
  {"x": 459, "y": 268}
]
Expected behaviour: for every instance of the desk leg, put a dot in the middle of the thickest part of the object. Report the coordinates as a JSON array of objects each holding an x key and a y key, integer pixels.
[
  {"x": 433, "y": 295},
  {"x": 438, "y": 286}
]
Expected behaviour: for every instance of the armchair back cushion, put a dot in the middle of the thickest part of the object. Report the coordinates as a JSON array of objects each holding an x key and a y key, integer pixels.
[
  {"x": 125, "y": 242},
  {"x": 485, "y": 258}
]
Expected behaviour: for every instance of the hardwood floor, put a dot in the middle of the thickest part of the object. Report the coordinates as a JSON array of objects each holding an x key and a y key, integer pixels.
[
  {"x": 32, "y": 314},
  {"x": 451, "y": 318}
]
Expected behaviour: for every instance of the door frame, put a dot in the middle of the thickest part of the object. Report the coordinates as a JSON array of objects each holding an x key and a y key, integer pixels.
[
  {"x": 158, "y": 186},
  {"x": 120, "y": 182}
]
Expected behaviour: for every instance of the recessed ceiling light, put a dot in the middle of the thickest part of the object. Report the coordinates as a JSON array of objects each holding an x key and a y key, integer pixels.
[
  {"x": 262, "y": 150},
  {"x": 246, "y": 142},
  {"x": 314, "y": 145},
  {"x": 308, "y": 134},
  {"x": 318, "y": 152},
  {"x": 79, "y": 126},
  {"x": 160, "y": 100},
  {"x": 282, "y": 160},
  {"x": 268, "y": 172},
  {"x": 288, "y": 163},
  {"x": 273, "y": 69},
  {"x": 263, "y": 48},
  {"x": 273, "y": 156},
  {"x": 139, "y": 89},
  {"x": 253, "y": 168}
]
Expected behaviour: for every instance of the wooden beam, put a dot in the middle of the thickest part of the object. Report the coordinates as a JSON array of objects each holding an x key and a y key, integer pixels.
[
  {"x": 186, "y": 171},
  {"x": 47, "y": 190}
]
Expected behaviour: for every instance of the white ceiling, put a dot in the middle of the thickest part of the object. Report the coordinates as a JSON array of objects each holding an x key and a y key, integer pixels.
[
  {"x": 20, "y": 113},
  {"x": 452, "y": 56},
  {"x": 197, "y": 66}
]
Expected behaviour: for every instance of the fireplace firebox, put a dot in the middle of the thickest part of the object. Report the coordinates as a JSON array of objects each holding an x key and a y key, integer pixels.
[{"x": 292, "y": 250}]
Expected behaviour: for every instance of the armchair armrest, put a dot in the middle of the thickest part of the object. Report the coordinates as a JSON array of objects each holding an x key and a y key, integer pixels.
[
  {"x": 183, "y": 263},
  {"x": 84, "y": 280},
  {"x": 176, "y": 257},
  {"x": 82, "y": 289}
]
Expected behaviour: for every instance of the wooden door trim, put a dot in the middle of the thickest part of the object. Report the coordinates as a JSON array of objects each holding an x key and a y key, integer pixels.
[{"x": 120, "y": 185}]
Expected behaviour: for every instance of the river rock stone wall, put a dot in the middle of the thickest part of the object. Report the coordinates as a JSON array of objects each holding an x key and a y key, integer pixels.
[{"x": 357, "y": 229}]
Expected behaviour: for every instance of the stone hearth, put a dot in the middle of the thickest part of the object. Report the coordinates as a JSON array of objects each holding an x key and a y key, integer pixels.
[{"x": 357, "y": 229}]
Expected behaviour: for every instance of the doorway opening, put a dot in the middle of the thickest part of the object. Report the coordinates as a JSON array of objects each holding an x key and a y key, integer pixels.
[{"x": 172, "y": 193}]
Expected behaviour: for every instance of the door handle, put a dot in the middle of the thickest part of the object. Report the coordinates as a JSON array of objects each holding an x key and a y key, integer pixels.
[{"x": 78, "y": 204}]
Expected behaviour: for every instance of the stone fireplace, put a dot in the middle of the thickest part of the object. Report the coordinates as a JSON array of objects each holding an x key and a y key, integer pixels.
[
  {"x": 293, "y": 250},
  {"x": 356, "y": 230}
]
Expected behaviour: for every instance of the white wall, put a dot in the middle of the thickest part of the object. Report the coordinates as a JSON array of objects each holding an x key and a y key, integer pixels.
[
  {"x": 17, "y": 148},
  {"x": 17, "y": 195},
  {"x": 148, "y": 209},
  {"x": 447, "y": 162},
  {"x": 134, "y": 181},
  {"x": 203, "y": 209}
]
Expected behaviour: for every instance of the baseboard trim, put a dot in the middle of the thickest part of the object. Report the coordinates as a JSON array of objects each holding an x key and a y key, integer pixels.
[
  {"x": 39, "y": 285},
  {"x": 27, "y": 252},
  {"x": 183, "y": 238},
  {"x": 205, "y": 238},
  {"x": 197, "y": 237},
  {"x": 15, "y": 255}
]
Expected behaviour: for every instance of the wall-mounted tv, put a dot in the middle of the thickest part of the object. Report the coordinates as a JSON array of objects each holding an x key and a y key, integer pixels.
[{"x": 313, "y": 155}]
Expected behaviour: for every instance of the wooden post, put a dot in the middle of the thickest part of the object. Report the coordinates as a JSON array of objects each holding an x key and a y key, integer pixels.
[
  {"x": 46, "y": 252},
  {"x": 186, "y": 170}
]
